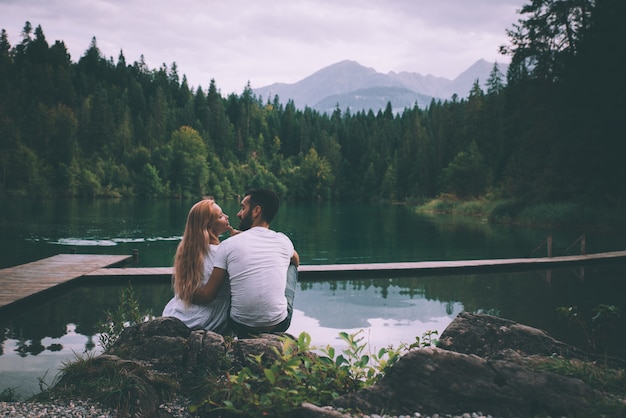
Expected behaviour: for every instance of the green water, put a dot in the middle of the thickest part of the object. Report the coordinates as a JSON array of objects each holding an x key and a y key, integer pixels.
[
  {"x": 37, "y": 339},
  {"x": 324, "y": 233}
]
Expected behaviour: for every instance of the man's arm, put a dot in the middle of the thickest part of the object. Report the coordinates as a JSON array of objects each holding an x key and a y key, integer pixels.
[
  {"x": 208, "y": 292},
  {"x": 295, "y": 258}
]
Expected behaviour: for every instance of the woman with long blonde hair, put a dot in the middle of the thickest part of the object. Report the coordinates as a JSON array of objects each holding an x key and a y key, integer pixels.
[{"x": 193, "y": 264}]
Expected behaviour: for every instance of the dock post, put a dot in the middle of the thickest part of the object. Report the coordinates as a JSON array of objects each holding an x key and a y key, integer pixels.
[
  {"x": 135, "y": 255},
  {"x": 583, "y": 245},
  {"x": 549, "y": 245}
]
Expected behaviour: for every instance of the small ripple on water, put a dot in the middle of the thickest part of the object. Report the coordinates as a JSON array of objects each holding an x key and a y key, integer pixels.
[{"x": 86, "y": 242}]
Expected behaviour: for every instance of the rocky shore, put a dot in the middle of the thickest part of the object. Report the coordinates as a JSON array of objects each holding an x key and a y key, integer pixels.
[
  {"x": 481, "y": 363},
  {"x": 85, "y": 409},
  {"x": 78, "y": 409}
]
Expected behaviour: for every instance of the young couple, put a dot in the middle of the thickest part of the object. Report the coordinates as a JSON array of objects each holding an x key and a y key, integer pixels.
[{"x": 246, "y": 284}]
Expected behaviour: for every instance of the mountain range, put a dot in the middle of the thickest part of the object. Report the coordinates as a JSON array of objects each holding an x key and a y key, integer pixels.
[{"x": 348, "y": 84}]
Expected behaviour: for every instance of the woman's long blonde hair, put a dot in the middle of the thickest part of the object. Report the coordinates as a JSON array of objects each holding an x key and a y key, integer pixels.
[{"x": 193, "y": 248}]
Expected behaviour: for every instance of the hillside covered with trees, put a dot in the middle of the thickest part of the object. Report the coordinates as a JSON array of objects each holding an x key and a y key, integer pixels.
[{"x": 551, "y": 129}]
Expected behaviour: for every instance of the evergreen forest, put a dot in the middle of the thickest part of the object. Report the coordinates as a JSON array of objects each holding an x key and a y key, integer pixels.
[{"x": 550, "y": 130}]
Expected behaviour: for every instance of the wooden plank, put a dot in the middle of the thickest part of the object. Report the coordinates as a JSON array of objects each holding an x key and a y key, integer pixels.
[
  {"x": 20, "y": 282},
  {"x": 131, "y": 271},
  {"x": 339, "y": 271},
  {"x": 456, "y": 266},
  {"x": 23, "y": 282}
]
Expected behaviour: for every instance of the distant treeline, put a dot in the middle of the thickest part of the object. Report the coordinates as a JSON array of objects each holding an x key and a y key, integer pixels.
[{"x": 551, "y": 129}]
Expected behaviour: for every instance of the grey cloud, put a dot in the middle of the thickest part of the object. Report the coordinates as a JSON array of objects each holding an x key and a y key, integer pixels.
[{"x": 280, "y": 41}]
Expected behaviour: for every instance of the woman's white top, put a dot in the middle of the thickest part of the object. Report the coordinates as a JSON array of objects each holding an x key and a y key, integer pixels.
[{"x": 211, "y": 316}]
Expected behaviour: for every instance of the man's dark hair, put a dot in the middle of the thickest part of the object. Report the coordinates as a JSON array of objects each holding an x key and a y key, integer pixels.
[{"x": 267, "y": 200}]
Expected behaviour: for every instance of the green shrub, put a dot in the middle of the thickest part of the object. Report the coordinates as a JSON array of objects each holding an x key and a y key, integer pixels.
[
  {"x": 276, "y": 388},
  {"x": 128, "y": 313},
  {"x": 505, "y": 211},
  {"x": 599, "y": 327},
  {"x": 561, "y": 214},
  {"x": 611, "y": 383}
]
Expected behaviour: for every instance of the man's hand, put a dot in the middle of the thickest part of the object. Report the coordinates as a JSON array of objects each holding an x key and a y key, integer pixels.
[{"x": 295, "y": 259}]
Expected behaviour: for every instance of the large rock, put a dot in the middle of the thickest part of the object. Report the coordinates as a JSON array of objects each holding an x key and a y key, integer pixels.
[
  {"x": 490, "y": 337},
  {"x": 163, "y": 343},
  {"x": 433, "y": 380},
  {"x": 167, "y": 345},
  {"x": 481, "y": 363}
]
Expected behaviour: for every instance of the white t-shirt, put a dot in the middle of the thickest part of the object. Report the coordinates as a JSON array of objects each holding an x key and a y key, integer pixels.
[
  {"x": 256, "y": 261},
  {"x": 212, "y": 316}
]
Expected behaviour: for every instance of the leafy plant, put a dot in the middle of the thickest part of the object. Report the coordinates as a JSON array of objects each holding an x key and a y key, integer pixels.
[
  {"x": 274, "y": 387},
  {"x": 128, "y": 313},
  {"x": 367, "y": 368},
  {"x": 598, "y": 329}
]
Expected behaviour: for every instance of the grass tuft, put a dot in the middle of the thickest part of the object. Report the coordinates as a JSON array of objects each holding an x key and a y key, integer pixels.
[
  {"x": 116, "y": 384},
  {"x": 611, "y": 383},
  {"x": 511, "y": 211},
  {"x": 9, "y": 395}
]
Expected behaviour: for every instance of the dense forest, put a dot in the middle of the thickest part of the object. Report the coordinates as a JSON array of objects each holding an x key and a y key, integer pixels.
[{"x": 551, "y": 129}]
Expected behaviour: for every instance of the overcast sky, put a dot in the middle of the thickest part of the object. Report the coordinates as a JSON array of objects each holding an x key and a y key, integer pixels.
[{"x": 263, "y": 42}]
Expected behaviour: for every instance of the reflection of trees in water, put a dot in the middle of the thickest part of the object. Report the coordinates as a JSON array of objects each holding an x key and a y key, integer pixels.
[
  {"x": 529, "y": 298},
  {"x": 84, "y": 306},
  {"x": 449, "y": 307},
  {"x": 29, "y": 347},
  {"x": 90, "y": 345},
  {"x": 35, "y": 347},
  {"x": 3, "y": 337}
]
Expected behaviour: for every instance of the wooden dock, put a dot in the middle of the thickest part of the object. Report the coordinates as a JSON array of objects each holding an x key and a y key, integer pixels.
[
  {"x": 18, "y": 284},
  {"x": 422, "y": 268},
  {"x": 24, "y": 281},
  {"x": 419, "y": 268}
]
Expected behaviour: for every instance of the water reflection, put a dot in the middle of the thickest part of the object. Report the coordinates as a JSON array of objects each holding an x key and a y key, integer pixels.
[
  {"x": 38, "y": 339},
  {"x": 351, "y": 304},
  {"x": 387, "y": 311}
]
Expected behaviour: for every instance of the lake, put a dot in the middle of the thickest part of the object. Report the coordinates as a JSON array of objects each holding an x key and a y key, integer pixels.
[{"x": 391, "y": 310}]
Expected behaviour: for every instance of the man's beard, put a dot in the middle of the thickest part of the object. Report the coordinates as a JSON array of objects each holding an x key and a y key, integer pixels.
[{"x": 246, "y": 222}]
